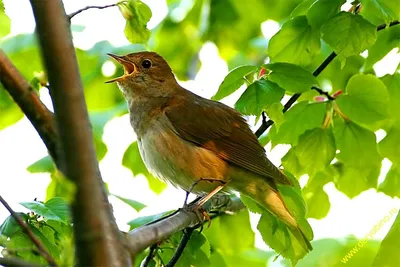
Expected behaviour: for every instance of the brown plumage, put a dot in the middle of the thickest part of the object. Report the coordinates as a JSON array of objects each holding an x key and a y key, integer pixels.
[{"x": 183, "y": 137}]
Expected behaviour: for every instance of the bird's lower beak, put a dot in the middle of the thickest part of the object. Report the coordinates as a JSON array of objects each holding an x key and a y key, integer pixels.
[{"x": 129, "y": 67}]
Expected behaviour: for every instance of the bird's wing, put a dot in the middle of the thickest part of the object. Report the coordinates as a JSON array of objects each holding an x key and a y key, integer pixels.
[{"x": 223, "y": 130}]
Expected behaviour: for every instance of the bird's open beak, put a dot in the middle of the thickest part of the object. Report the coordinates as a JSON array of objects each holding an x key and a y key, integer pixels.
[{"x": 129, "y": 67}]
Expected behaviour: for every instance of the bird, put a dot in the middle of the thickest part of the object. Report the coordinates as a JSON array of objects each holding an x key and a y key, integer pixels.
[{"x": 189, "y": 140}]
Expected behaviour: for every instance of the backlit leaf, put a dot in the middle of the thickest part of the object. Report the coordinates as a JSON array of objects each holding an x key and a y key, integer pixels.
[
  {"x": 348, "y": 34},
  {"x": 233, "y": 81},
  {"x": 366, "y": 101},
  {"x": 258, "y": 97},
  {"x": 291, "y": 77},
  {"x": 297, "y": 42}
]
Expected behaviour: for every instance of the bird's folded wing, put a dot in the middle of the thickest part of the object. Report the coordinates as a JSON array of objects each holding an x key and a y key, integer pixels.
[{"x": 223, "y": 130}]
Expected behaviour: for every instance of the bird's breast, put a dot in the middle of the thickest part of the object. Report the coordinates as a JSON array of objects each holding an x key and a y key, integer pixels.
[{"x": 178, "y": 161}]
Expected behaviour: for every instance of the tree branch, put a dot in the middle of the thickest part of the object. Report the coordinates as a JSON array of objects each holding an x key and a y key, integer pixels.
[
  {"x": 155, "y": 232},
  {"x": 42, "y": 250},
  {"x": 182, "y": 244},
  {"x": 73, "y": 14},
  {"x": 266, "y": 124},
  {"x": 98, "y": 241},
  {"x": 15, "y": 262},
  {"x": 26, "y": 98}
]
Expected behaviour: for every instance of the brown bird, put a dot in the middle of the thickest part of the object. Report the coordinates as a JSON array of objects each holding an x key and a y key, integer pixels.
[{"x": 185, "y": 139}]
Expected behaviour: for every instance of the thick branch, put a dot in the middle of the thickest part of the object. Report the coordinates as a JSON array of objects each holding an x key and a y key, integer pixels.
[
  {"x": 42, "y": 250},
  {"x": 22, "y": 93},
  {"x": 266, "y": 124},
  {"x": 14, "y": 262},
  {"x": 98, "y": 241},
  {"x": 147, "y": 235}
]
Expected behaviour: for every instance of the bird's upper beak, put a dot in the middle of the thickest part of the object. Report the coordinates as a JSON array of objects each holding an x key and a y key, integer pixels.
[{"x": 129, "y": 67}]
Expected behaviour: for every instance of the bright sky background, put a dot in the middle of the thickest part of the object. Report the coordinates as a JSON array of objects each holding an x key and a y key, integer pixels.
[{"x": 20, "y": 145}]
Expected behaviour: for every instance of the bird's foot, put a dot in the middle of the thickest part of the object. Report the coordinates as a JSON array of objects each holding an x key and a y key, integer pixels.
[{"x": 201, "y": 213}]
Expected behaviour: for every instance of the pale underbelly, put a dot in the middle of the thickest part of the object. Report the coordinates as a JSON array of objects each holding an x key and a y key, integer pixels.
[{"x": 179, "y": 162}]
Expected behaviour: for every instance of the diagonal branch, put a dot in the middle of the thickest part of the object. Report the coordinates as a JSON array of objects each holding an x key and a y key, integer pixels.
[
  {"x": 42, "y": 250},
  {"x": 26, "y": 98},
  {"x": 97, "y": 238},
  {"x": 266, "y": 124}
]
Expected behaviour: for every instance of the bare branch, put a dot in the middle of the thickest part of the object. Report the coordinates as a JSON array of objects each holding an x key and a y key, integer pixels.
[
  {"x": 266, "y": 124},
  {"x": 182, "y": 244},
  {"x": 26, "y": 98},
  {"x": 155, "y": 232},
  {"x": 42, "y": 250},
  {"x": 98, "y": 240},
  {"x": 73, "y": 14}
]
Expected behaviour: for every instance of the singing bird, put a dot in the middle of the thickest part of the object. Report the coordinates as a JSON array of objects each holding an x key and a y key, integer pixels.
[{"x": 184, "y": 138}]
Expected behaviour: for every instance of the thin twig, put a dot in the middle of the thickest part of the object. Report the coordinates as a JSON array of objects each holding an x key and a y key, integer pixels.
[
  {"x": 73, "y": 14},
  {"x": 42, "y": 250},
  {"x": 187, "y": 233},
  {"x": 15, "y": 262},
  {"x": 322, "y": 92},
  {"x": 266, "y": 124},
  {"x": 150, "y": 256}
]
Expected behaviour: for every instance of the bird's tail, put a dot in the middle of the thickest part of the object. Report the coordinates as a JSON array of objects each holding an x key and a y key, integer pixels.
[{"x": 271, "y": 200}]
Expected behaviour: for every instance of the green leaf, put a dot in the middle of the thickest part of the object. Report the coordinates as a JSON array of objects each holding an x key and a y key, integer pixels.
[
  {"x": 357, "y": 145},
  {"x": 353, "y": 180},
  {"x": 300, "y": 118},
  {"x": 275, "y": 113},
  {"x": 10, "y": 112},
  {"x": 366, "y": 101},
  {"x": 231, "y": 234},
  {"x": 4, "y": 22},
  {"x": 291, "y": 77},
  {"x": 317, "y": 199},
  {"x": 60, "y": 186},
  {"x": 277, "y": 236},
  {"x": 386, "y": 41},
  {"x": 44, "y": 164},
  {"x": 133, "y": 161},
  {"x": 315, "y": 150},
  {"x": 302, "y": 8},
  {"x": 233, "y": 81},
  {"x": 391, "y": 185},
  {"x": 258, "y": 97},
  {"x": 328, "y": 8},
  {"x": 251, "y": 204},
  {"x": 297, "y": 42},
  {"x": 136, "y": 205},
  {"x": 137, "y": 14},
  {"x": 55, "y": 209},
  {"x": 392, "y": 83},
  {"x": 389, "y": 146},
  {"x": 348, "y": 34},
  {"x": 10, "y": 226},
  {"x": 380, "y": 10},
  {"x": 388, "y": 252}
]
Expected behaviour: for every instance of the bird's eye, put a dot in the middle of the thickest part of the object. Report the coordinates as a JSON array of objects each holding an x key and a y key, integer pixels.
[{"x": 146, "y": 63}]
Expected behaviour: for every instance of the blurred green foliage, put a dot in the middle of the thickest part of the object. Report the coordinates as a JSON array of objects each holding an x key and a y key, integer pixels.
[{"x": 331, "y": 140}]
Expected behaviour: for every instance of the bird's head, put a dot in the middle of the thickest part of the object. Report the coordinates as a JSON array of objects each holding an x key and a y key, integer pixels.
[{"x": 146, "y": 74}]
